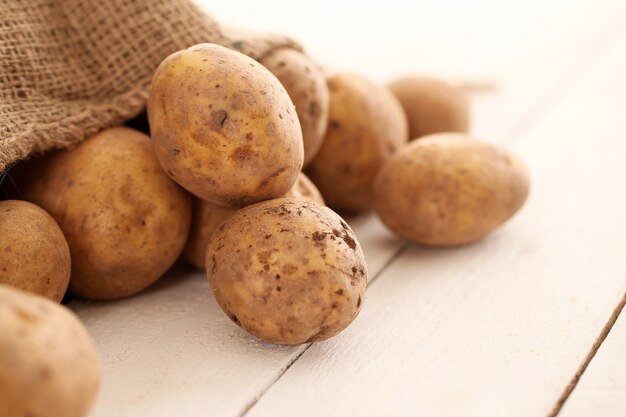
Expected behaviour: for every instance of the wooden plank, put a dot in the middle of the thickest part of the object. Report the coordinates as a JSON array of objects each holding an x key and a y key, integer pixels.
[
  {"x": 501, "y": 326},
  {"x": 602, "y": 389}
]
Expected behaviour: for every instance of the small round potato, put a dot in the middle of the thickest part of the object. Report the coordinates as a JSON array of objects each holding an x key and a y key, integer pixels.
[
  {"x": 306, "y": 85},
  {"x": 432, "y": 105},
  {"x": 449, "y": 189},
  {"x": 366, "y": 127},
  {"x": 124, "y": 219},
  {"x": 34, "y": 254},
  {"x": 224, "y": 127},
  {"x": 288, "y": 271},
  {"x": 207, "y": 216},
  {"x": 49, "y": 366}
]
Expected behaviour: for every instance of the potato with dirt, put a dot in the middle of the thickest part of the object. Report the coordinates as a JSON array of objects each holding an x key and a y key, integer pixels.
[
  {"x": 432, "y": 105},
  {"x": 306, "y": 85},
  {"x": 207, "y": 217},
  {"x": 34, "y": 253},
  {"x": 449, "y": 189},
  {"x": 49, "y": 366},
  {"x": 124, "y": 219},
  {"x": 288, "y": 271},
  {"x": 224, "y": 127},
  {"x": 366, "y": 126}
]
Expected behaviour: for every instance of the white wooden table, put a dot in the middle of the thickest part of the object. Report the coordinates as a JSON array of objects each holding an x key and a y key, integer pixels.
[{"x": 515, "y": 325}]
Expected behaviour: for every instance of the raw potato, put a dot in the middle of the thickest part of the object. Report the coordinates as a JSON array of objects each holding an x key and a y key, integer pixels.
[
  {"x": 366, "y": 127},
  {"x": 207, "y": 216},
  {"x": 306, "y": 190},
  {"x": 124, "y": 219},
  {"x": 224, "y": 127},
  {"x": 288, "y": 271},
  {"x": 306, "y": 85},
  {"x": 49, "y": 366},
  {"x": 34, "y": 255},
  {"x": 432, "y": 105},
  {"x": 449, "y": 189}
]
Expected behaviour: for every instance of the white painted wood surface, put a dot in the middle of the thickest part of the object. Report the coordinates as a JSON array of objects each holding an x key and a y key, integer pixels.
[
  {"x": 438, "y": 323},
  {"x": 602, "y": 389},
  {"x": 501, "y": 326}
]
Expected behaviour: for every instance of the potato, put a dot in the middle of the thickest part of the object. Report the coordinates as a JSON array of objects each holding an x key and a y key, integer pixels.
[
  {"x": 432, "y": 105},
  {"x": 35, "y": 256},
  {"x": 306, "y": 190},
  {"x": 288, "y": 271},
  {"x": 125, "y": 221},
  {"x": 449, "y": 189},
  {"x": 366, "y": 127},
  {"x": 224, "y": 127},
  {"x": 49, "y": 366},
  {"x": 207, "y": 216},
  {"x": 205, "y": 219},
  {"x": 306, "y": 85}
]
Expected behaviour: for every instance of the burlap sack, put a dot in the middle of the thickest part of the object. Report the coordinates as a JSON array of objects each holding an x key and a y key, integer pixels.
[{"x": 69, "y": 68}]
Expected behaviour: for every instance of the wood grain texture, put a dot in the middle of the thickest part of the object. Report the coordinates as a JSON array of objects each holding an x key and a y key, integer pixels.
[
  {"x": 602, "y": 389},
  {"x": 501, "y": 326}
]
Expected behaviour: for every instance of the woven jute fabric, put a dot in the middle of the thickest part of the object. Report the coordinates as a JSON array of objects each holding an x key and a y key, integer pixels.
[{"x": 69, "y": 68}]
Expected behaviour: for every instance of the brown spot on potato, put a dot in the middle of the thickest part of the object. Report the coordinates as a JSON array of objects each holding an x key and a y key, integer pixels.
[
  {"x": 242, "y": 154},
  {"x": 339, "y": 292},
  {"x": 218, "y": 117}
]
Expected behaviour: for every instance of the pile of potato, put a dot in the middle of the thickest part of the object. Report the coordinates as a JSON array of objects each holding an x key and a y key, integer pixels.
[{"x": 219, "y": 183}]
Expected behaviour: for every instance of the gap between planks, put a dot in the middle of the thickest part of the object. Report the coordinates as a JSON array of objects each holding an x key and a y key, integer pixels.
[
  {"x": 583, "y": 366},
  {"x": 256, "y": 399},
  {"x": 583, "y": 63}
]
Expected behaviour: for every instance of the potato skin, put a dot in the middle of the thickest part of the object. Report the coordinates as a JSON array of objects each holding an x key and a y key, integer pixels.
[
  {"x": 306, "y": 85},
  {"x": 366, "y": 127},
  {"x": 449, "y": 189},
  {"x": 432, "y": 105},
  {"x": 35, "y": 256},
  {"x": 48, "y": 363},
  {"x": 207, "y": 217},
  {"x": 124, "y": 219},
  {"x": 288, "y": 271},
  {"x": 224, "y": 127}
]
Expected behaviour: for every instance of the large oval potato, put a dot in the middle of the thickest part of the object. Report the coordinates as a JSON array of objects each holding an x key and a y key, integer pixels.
[
  {"x": 207, "y": 217},
  {"x": 449, "y": 189},
  {"x": 224, "y": 127},
  {"x": 366, "y": 127},
  {"x": 35, "y": 256},
  {"x": 49, "y": 366},
  {"x": 432, "y": 105},
  {"x": 124, "y": 219},
  {"x": 288, "y": 271},
  {"x": 306, "y": 85}
]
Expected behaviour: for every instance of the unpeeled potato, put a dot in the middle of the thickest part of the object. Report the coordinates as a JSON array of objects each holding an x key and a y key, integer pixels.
[
  {"x": 288, "y": 271},
  {"x": 449, "y": 189},
  {"x": 224, "y": 127},
  {"x": 49, "y": 366},
  {"x": 432, "y": 105},
  {"x": 306, "y": 85},
  {"x": 208, "y": 216},
  {"x": 366, "y": 127},
  {"x": 34, "y": 255},
  {"x": 124, "y": 219}
]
